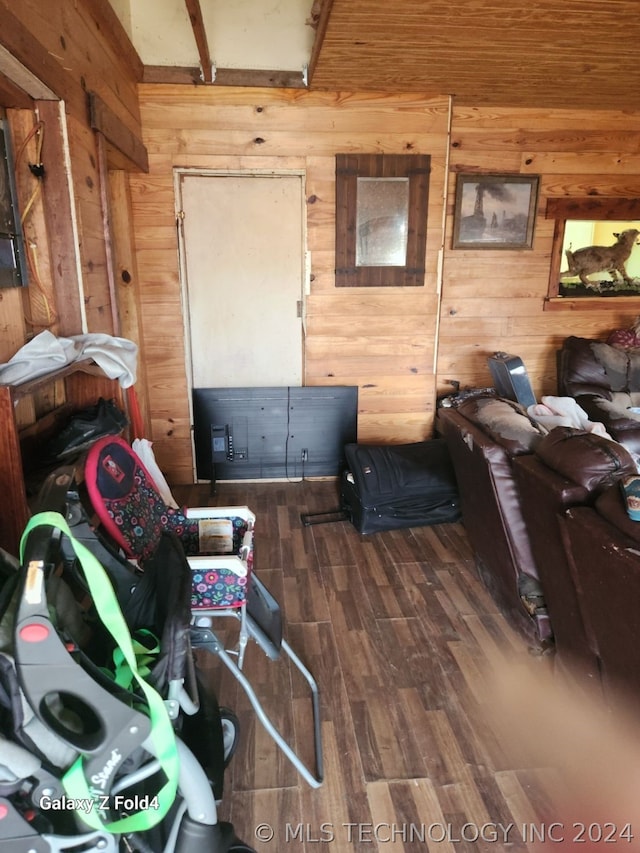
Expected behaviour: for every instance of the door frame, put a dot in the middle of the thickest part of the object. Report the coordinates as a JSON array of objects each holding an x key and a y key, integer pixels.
[{"x": 305, "y": 273}]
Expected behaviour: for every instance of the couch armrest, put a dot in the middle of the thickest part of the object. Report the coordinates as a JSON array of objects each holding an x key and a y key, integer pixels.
[{"x": 585, "y": 458}]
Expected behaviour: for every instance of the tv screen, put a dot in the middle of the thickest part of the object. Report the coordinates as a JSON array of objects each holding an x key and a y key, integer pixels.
[{"x": 273, "y": 433}]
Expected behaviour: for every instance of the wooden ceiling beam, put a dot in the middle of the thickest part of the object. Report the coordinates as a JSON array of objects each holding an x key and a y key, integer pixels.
[
  {"x": 200, "y": 34},
  {"x": 247, "y": 77},
  {"x": 320, "y": 22},
  {"x": 171, "y": 74}
]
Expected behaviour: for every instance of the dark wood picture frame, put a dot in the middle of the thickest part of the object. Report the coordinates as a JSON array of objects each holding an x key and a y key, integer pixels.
[
  {"x": 597, "y": 209},
  {"x": 495, "y": 211},
  {"x": 415, "y": 168}
]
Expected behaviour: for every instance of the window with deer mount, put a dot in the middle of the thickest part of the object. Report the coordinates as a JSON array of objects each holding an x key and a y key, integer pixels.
[{"x": 594, "y": 247}]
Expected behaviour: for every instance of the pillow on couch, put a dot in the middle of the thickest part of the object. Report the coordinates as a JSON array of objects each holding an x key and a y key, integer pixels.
[
  {"x": 505, "y": 422},
  {"x": 615, "y": 363},
  {"x": 634, "y": 370},
  {"x": 579, "y": 371}
]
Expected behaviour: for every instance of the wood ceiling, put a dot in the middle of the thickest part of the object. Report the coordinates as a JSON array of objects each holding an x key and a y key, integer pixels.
[
  {"x": 553, "y": 54},
  {"x": 531, "y": 53}
]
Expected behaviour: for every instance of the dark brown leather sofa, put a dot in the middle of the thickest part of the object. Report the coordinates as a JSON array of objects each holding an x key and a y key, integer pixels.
[
  {"x": 484, "y": 435},
  {"x": 603, "y": 545},
  {"x": 568, "y": 468},
  {"x": 605, "y": 382},
  {"x": 516, "y": 485}
]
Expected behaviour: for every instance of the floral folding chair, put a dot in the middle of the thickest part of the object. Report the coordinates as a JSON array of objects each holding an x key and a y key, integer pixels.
[
  {"x": 218, "y": 541},
  {"x": 219, "y": 545}
]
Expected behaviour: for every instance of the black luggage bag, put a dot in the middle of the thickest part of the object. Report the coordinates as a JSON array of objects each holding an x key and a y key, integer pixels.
[{"x": 403, "y": 485}]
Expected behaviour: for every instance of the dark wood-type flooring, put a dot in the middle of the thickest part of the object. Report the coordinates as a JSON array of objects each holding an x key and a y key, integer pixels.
[{"x": 399, "y": 633}]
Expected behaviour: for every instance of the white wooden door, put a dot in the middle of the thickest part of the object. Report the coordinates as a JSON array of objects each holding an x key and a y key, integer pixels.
[{"x": 243, "y": 261}]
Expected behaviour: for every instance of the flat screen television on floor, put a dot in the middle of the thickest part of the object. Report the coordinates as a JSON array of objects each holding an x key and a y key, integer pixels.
[{"x": 273, "y": 433}]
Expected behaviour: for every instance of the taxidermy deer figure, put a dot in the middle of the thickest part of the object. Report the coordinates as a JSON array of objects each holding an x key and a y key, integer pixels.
[{"x": 611, "y": 259}]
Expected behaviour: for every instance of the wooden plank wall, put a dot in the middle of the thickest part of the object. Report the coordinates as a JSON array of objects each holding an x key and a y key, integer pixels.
[
  {"x": 385, "y": 340},
  {"x": 52, "y": 301},
  {"x": 494, "y": 299},
  {"x": 381, "y": 339},
  {"x": 74, "y": 49}
]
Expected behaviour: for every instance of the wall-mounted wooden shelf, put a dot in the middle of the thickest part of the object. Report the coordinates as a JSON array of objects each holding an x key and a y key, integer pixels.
[
  {"x": 591, "y": 303},
  {"x": 48, "y": 402}
]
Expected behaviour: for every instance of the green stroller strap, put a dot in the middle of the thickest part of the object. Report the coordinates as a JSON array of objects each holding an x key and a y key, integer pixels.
[
  {"x": 162, "y": 735},
  {"x": 146, "y": 654}
]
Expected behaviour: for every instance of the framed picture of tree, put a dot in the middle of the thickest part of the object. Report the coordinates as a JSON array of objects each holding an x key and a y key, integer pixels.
[{"x": 495, "y": 211}]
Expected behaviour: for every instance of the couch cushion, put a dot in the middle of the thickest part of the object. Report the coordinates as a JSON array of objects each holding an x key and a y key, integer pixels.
[
  {"x": 586, "y": 458},
  {"x": 579, "y": 372},
  {"x": 619, "y": 408},
  {"x": 505, "y": 422},
  {"x": 615, "y": 363},
  {"x": 633, "y": 380}
]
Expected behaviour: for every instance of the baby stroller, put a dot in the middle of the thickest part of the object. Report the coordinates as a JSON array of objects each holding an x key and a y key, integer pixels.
[{"x": 101, "y": 717}]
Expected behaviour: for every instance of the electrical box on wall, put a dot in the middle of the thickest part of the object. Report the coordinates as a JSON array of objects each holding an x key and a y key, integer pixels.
[{"x": 13, "y": 272}]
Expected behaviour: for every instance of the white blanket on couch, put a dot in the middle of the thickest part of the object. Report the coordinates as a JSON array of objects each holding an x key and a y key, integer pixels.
[{"x": 563, "y": 411}]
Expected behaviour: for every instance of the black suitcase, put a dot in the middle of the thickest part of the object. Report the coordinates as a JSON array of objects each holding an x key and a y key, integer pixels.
[
  {"x": 404, "y": 485},
  {"x": 511, "y": 379}
]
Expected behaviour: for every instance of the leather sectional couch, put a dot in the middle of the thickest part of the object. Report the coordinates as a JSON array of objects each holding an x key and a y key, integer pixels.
[
  {"x": 484, "y": 435},
  {"x": 605, "y": 381},
  {"x": 569, "y": 468},
  {"x": 522, "y": 494},
  {"x": 603, "y": 545}
]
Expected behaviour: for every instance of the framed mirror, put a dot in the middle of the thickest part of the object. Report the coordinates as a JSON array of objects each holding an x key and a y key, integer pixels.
[{"x": 381, "y": 219}]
